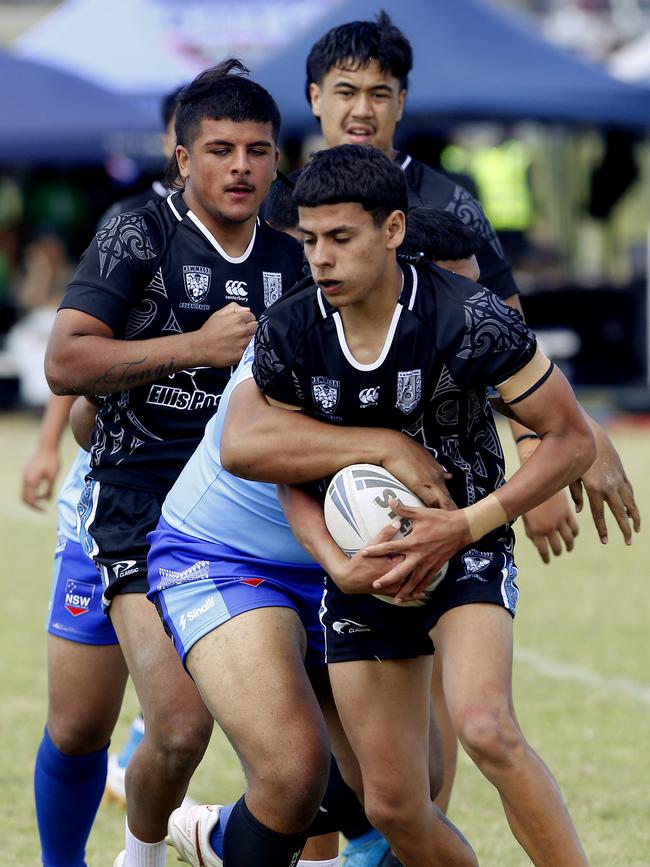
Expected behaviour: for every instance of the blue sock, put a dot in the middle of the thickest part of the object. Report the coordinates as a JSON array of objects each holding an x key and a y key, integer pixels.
[
  {"x": 216, "y": 837},
  {"x": 68, "y": 790}
]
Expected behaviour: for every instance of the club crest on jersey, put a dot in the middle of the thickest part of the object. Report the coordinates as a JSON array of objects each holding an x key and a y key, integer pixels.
[
  {"x": 197, "y": 282},
  {"x": 272, "y": 286},
  {"x": 409, "y": 390},
  {"x": 325, "y": 392},
  {"x": 78, "y": 596}
]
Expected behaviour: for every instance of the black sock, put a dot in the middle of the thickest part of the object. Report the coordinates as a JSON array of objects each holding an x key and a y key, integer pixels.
[
  {"x": 249, "y": 843},
  {"x": 340, "y": 810}
]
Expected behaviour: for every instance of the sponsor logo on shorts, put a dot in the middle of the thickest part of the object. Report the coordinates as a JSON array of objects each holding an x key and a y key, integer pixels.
[
  {"x": 475, "y": 562},
  {"x": 78, "y": 596},
  {"x": 194, "y": 613},
  {"x": 348, "y": 627},
  {"x": 122, "y": 568},
  {"x": 196, "y": 572}
]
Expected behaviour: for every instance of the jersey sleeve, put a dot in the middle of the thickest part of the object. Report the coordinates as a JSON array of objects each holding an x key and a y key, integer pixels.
[
  {"x": 484, "y": 341},
  {"x": 116, "y": 266},
  {"x": 273, "y": 368}
]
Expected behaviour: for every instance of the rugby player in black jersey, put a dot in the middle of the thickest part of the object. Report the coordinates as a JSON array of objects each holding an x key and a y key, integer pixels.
[
  {"x": 163, "y": 303},
  {"x": 357, "y": 81},
  {"x": 428, "y": 343}
]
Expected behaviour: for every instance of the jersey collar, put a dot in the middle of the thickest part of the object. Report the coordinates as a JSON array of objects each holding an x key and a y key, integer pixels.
[
  {"x": 406, "y": 298},
  {"x": 180, "y": 210},
  {"x": 403, "y": 160}
]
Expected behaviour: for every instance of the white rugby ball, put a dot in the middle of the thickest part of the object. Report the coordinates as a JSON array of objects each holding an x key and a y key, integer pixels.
[{"x": 356, "y": 509}]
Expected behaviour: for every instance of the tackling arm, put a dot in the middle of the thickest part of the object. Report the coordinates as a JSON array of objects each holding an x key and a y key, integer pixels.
[{"x": 271, "y": 444}]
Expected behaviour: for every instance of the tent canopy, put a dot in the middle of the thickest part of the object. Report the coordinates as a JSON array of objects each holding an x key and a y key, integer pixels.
[
  {"x": 472, "y": 61},
  {"x": 55, "y": 116}
]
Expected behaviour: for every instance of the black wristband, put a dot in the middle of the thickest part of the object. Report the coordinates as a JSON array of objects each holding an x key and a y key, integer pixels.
[{"x": 527, "y": 436}]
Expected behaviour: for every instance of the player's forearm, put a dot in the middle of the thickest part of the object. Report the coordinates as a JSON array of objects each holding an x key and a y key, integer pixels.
[
  {"x": 305, "y": 517},
  {"x": 554, "y": 464},
  {"x": 89, "y": 364},
  {"x": 269, "y": 444}
]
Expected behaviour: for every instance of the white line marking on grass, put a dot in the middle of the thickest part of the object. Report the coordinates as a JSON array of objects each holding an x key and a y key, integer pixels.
[{"x": 584, "y": 676}]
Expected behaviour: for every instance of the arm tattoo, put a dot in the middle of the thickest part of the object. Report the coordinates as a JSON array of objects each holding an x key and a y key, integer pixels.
[{"x": 122, "y": 376}]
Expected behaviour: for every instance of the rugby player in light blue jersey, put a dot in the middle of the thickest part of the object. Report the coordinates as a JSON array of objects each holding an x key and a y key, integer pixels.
[
  {"x": 86, "y": 670},
  {"x": 240, "y": 599}
]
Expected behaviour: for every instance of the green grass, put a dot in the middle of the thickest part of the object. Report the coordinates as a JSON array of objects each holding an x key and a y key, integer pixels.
[{"x": 586, "y": 614}]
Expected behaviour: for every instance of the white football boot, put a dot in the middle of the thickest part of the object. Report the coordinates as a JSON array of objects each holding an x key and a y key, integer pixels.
[{"x": 188, "y": 831}]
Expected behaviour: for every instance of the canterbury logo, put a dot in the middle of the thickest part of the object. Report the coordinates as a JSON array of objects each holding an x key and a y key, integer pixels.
[
  {"x": 369, "y": 396},
  {"x": 237, "y": 288}
]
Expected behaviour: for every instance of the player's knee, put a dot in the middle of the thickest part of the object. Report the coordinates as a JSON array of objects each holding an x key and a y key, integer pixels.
[
  {"x": 389, "y": 808},
  {"x": 292, "y": 788},
  {"x": 79, "y": 734},
  {"x": 491, "y": 737},
  {"x": 179, "y": 747}
]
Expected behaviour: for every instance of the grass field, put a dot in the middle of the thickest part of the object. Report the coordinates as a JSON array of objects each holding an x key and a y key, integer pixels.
[{"x": 582, "y": 683}]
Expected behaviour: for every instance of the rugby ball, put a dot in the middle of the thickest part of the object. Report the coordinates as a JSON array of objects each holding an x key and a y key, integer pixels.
[{"x": 356, "y": 509}]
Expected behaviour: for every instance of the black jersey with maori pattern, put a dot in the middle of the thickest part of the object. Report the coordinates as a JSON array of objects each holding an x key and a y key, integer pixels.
[
  {"x": 431, "y": 189},
  {"x": 154, "y": 272},
  {"x": 449, "y": 339}
]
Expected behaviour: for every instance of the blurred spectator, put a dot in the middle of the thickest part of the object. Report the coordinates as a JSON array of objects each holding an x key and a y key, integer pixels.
[
  {"x": 501, "y": 171},
  {"x": 11, "y": 215},
  {"x": 47, "y": 270}
]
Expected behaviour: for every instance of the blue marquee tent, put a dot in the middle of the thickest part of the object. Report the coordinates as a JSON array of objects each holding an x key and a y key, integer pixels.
[
  {"x": 473, "y": 60},
  {"x": 54, "y": 116}
]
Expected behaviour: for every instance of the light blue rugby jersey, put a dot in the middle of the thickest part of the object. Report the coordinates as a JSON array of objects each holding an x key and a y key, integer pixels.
[
  {"x": 209, "y": 503},
  {"x": 66, "y": 502}
]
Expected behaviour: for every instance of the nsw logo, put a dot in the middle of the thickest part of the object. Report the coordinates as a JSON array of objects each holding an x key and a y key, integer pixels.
[
  {"x": 78, "y": 596},
  {"x": 236, "y": 290},
  {"x": 369, "y": 396},
  {"x": 197, "y": 282},
  {"x": 325, "y": 392},
  {"x": 409, "y": 390}
]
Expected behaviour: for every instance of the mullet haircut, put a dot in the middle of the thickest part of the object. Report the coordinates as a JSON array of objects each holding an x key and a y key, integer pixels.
[
  {"x": 222, "y": 92},
  {"x": 437, "y": 236},
  {"x": 353, "y": 173},
  {"x": 168, "y": 106},
  {"x": 354, "y": 45}
]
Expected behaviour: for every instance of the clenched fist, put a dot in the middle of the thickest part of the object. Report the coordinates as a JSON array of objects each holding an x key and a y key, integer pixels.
[{"x": 221, "y": 340}]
